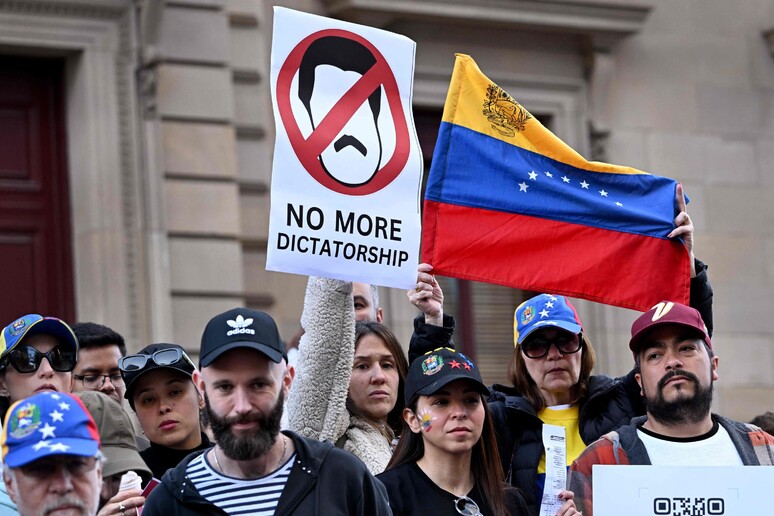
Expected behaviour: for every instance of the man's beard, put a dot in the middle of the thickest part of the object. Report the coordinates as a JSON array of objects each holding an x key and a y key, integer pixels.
[
  {"x": 684, "y": 409},
  {"x": 251, "y": 444}
]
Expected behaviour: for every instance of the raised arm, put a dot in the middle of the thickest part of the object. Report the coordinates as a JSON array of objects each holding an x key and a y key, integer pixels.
[
  {"x": 317, "y": 401},
  {"x": 432, "y": 328}
]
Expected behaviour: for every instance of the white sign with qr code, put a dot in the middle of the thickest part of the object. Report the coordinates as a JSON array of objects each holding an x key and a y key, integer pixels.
[{"x": 680, "y": 491}]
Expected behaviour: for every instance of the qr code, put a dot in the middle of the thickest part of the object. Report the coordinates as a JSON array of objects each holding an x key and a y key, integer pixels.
[{"x": 689, "y": 506}]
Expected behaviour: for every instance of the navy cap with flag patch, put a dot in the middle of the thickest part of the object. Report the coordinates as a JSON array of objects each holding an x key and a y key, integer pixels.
[
  {"x": 544, "y": 310},
  {"x": 430, "y": 372}
]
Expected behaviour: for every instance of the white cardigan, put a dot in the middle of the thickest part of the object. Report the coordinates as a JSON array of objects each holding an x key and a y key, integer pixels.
[{"x": 317, "y": 402}]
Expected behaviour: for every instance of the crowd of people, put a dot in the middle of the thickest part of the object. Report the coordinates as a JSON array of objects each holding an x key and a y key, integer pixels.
[{"x": 368, "y": 428}]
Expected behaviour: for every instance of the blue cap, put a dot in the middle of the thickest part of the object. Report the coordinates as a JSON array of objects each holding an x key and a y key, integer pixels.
[
  {"x": 34, "y": 324},
  {"x": 48, "y": 423},
  {"x": 541, "y": 311}
]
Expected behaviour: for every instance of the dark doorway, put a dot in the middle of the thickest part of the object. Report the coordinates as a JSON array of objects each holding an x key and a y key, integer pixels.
[{"x": 35, "y": 237}]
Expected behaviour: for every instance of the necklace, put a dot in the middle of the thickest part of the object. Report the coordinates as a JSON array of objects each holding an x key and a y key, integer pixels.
[{"x": 284, "y": 450}]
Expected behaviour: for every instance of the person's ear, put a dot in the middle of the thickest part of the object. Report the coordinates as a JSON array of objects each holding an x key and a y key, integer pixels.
[
  {"x": 714, "y": 367},
  {"x": 412, "y": 420},
  {"x": 638, "y": 377},
  {"x": 10, "y": 485},
  {"x": 198, "y": 381},
  {"x": 379, "y": 315}
]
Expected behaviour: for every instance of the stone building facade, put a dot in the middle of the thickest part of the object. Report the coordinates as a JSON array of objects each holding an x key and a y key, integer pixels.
[{"x": 169, "y": 140}]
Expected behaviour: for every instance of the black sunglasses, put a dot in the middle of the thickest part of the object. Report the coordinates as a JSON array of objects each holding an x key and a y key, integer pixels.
[
  {"x": 566, "y": 343},
  {"x": 27, "y": 359},
  {"x": 161, "y": 357}
]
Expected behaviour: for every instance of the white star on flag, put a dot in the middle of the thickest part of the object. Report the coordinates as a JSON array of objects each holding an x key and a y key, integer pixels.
[
  {"x": 603, "y": 193},
  {"x": 551, "y": 297},
  {"x": 64, "y": 406},
  {"x": 47, "y": 431},
  {"x": 56, "y": 396},
  {"x": 549, "y": 174},
  {"x": 584, "y": 185},
  {"x": 57, "y": 416},
  {"x": 565, "y": 179},
  {"x": 533, "y": 175},
  {"x": 60, "y": 447},
  {"x": 618, "y": 204},
  {"x": 550, "y": 304},
  {"x": 543, "y": 313},
  {"x": 39, "y": 445},
  {"x": 523, "y": 186}
]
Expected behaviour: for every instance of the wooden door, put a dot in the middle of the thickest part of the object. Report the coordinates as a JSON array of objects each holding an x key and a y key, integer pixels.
[{"x": 35, "y": 238}]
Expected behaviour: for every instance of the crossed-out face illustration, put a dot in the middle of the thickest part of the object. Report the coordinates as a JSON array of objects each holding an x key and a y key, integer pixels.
[{"x": 329, "y": 68}]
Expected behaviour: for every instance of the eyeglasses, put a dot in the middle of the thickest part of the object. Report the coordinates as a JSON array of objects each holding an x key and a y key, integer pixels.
[
  {"x": 467, "y": 507},
  {"x": 565, "y": 343},
  {"x": 74, "y": 465},
  {"x": 96, "y": 381},
  {"x": 161, "y": 357},
  {"x": 27, "y": 359}
]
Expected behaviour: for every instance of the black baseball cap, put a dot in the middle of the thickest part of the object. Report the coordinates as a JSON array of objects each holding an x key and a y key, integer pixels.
[
  {"x": 131, "y": 371},
  {"x": 241, "y": 328},
  {"x": 431, "y": 371}
]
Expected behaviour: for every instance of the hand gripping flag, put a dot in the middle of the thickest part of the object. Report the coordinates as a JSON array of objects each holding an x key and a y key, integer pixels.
[{"x": 508, "y": 202}]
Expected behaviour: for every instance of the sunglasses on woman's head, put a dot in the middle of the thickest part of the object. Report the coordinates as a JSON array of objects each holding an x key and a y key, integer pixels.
[
  {"x": 566, "y": 343},
  {"x": 26, "y": 359},
  {"x": 161, "y": 357}
]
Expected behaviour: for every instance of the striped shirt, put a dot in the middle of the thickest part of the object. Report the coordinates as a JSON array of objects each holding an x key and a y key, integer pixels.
[{"x": 237, "y": 496}]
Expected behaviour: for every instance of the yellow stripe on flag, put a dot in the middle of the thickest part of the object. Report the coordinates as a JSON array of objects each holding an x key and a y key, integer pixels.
[{"x": 475, "y": 102}]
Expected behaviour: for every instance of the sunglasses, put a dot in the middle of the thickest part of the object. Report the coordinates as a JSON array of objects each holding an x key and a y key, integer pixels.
[
  {"x": 27, "y": 359},
  {"x": 162, "y": 357},
  {"x": 565, "y": 343}
]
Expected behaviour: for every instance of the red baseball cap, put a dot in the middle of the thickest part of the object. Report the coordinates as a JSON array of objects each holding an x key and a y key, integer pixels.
[{"x": 667, "y": 312}]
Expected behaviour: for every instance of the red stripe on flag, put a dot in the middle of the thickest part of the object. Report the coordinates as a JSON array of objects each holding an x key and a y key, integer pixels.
[{"x": 530, "y": 253}]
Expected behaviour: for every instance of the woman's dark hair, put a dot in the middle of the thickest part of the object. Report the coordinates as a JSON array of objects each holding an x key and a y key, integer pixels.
[
  {"x": 395, "y": 417},
  {"x": 484, "y": 463},
  {"x": 525, "y": 385}
]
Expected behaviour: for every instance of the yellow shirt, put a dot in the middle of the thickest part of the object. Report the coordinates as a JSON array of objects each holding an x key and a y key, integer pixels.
[{"x": 566, "y": 416}]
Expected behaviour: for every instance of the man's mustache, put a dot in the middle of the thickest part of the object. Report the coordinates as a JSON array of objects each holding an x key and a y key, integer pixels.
[
  {"x": 677, "y": 372},
  {"x": 348, "y": 139}
]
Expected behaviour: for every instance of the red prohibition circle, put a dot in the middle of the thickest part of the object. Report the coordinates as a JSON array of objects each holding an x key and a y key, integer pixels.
[{"x": 308, "y": 149}]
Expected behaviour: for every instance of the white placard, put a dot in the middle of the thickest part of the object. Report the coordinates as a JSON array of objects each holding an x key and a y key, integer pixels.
[
  {"x": 347, "y": 171},
  {"x": 681, "y": 491}
]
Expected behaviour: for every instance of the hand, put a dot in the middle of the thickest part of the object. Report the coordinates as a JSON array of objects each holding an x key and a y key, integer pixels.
[
  {"x": 130, "y": 500},
  {"x": 684, "y": 226},
  {"x": 427, "y": 296},
  {"x": 568, "y": 508}
]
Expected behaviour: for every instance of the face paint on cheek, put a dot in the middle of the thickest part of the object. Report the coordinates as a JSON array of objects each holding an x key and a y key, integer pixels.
[{"x": 426, "y": 419}]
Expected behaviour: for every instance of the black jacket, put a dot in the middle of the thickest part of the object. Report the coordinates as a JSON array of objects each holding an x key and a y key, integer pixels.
[
  {"x": 609, "y": 403},
  {"x": 324, "y": 480}
]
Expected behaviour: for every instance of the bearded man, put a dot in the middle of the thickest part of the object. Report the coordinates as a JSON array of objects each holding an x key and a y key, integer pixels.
[
  {"x": 254, "y": 468},
  {"x": 676, "y": 368}
]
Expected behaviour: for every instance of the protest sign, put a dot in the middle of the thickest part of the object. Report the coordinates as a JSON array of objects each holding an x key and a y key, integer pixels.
[
  {"x": 680, "y": 490},
  {"x": 347, "y": 165}
]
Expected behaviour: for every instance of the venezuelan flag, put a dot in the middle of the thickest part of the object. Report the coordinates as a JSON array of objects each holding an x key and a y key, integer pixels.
[{"x": 508, "y": 202}]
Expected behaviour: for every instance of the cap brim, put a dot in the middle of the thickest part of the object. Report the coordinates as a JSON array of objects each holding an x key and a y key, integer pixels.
[
  {"x": 636, "y": 340},
  {"x": 54, "y": 327},
  {"x": 19, "y": 456},
  {"x": 131, "y": 377},
  {"x": 119, "y": 459},
  {"x": 432, "y": 388},
  {"x": 565, "y": 325},
  {"x": 270, "y": 352}
]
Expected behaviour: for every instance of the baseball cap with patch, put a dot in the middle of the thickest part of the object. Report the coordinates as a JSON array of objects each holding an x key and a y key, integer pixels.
[
  {"x": 542, "y": 311},
  {"x": 48, "y": 423},
  {"x": 667, "y": 312},
  {"x": 241, "y": 328},
  {"x": 430, "y": 372},
  {"x": 34, "y": 324}
]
